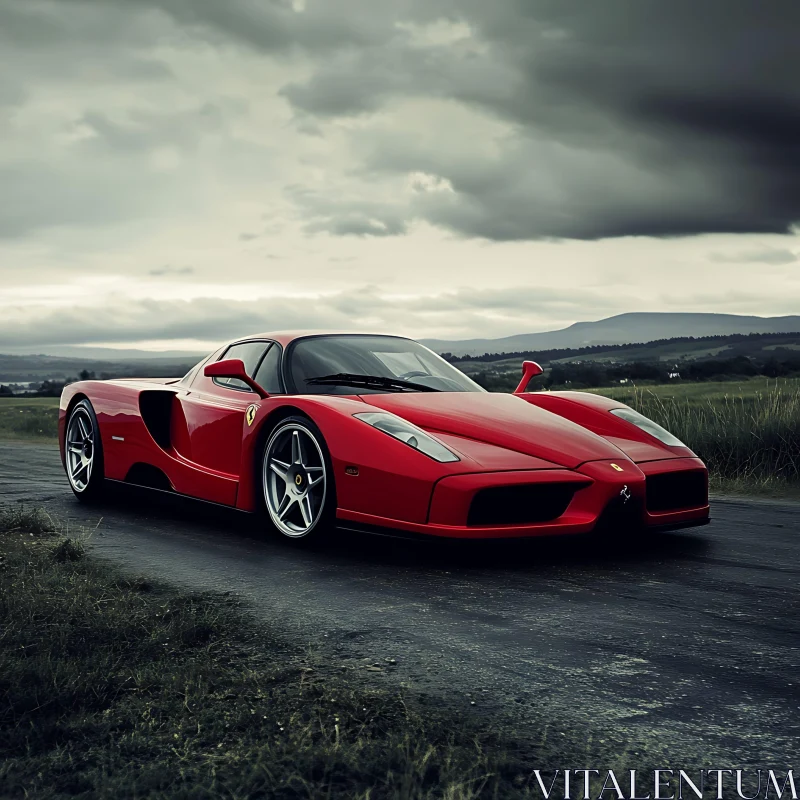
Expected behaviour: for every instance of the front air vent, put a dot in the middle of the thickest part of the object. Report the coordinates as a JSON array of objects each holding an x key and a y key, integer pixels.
[
  {"x": 621, "y": 515},
  {"x": 671, "y": 491},
  {"x": 521, "y": 505}
]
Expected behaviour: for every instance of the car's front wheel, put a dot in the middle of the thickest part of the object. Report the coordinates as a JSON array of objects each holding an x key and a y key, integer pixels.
[
  {"x": 297, "y": 479},
  {"x": 83, "y": 453}
]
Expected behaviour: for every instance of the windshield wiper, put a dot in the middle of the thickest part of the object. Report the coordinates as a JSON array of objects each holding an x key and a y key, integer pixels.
[{"x": 368, "y": 382}]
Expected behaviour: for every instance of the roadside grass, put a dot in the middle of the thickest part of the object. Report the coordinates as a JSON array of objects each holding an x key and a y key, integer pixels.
[
  {"x": 114, "y": 687},
  {"x": 34, "y": 418},
  {"x": 748, "y": 434},
  {"x": 20, "y": 519},
  {"x": 707, "y": 390}
]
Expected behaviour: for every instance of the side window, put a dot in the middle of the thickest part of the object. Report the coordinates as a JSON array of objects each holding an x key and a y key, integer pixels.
[
  {"x": 249, "y": 353},
  {"x": 268, "y": 376}
]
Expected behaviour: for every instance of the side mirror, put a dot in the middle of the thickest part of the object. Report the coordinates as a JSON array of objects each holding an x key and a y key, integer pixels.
[
  {"x": 233, "y": 368},
  {"x": 530, "y": 369}
]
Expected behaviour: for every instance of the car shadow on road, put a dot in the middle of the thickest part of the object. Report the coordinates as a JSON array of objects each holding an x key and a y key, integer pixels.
[
  {"x": 345, "y": 546},
  {"x": 535, "y": 554}
]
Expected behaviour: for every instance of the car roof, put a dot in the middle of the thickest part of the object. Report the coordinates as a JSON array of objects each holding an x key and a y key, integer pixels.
[{"x": 284, "y": 338}]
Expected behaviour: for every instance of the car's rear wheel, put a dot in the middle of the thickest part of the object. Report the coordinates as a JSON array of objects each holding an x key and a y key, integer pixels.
[
  {"x": 83, "y": 453},
  {"x": 297, "y": 479}
]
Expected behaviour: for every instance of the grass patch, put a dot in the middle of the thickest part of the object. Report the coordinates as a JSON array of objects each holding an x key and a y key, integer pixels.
[
  {"x": 111, "y": 687},
  {"x": 33, "y": 418},
  {"x": 19, "y": 519},
  {"x": 748, "y": 434}
]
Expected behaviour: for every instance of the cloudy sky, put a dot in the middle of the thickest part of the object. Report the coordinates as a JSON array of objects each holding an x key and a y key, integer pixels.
[{"x": 177, "y": 172}]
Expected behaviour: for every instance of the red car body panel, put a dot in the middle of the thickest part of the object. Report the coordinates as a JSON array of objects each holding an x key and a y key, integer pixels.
[
  {"x": 194, "y": 433},
  {"x": 590, "y": 411},
  {"x": 501, "y": 420}
]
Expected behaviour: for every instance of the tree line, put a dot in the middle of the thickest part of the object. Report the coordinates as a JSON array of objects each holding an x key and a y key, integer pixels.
[
  {"x": 53, "y": 388},
  {"x": 589, "y": 375},
  {"x": 545, "y": 356}
]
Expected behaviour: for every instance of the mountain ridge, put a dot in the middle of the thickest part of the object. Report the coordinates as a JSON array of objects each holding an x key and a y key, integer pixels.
[{"x": 629, "y": 328}]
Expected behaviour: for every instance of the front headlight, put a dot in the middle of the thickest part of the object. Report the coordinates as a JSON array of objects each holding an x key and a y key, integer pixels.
[
  {"x": 646, "y": 424},
  {"x": 408, "y": 434}
]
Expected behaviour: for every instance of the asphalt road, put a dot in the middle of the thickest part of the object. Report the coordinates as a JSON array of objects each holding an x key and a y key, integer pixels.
[{"x": 685, "y": 644}]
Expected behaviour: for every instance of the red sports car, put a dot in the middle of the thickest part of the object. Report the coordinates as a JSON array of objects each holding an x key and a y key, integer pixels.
[{"x": 379, "y": 433}]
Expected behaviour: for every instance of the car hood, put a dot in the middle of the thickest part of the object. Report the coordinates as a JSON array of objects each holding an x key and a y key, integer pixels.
[{"x": 502, "y": 420}]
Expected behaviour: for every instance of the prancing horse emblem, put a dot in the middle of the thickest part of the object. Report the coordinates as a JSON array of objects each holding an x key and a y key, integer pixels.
[
  {"x": 250, "y": 414},
  {"x": 625, "y": 494},
  {"x": 617, "y": 467}
]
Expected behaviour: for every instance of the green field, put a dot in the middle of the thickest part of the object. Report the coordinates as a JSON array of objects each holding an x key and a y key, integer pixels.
[
  {"x": 34, "y": 418},
  {"x": 706, "y": 391}
]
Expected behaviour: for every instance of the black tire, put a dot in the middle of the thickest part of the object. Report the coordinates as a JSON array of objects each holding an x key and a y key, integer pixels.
[
  {"x": 88, "y": 483},
  {"x": 298, "y": 482}
]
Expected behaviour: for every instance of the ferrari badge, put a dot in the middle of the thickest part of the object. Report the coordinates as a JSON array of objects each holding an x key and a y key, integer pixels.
[{"x": 250, "y": 414}]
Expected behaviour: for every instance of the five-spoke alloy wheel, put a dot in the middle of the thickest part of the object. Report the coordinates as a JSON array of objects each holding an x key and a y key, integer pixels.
[
  {"x": 295, "y": 478},
  {"x": 83, "y": 452}
]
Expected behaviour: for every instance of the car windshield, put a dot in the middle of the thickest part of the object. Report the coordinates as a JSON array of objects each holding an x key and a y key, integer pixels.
[{"x": 356, "y": 364}]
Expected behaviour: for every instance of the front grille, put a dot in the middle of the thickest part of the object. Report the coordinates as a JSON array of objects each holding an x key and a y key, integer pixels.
[
  {"x": 673, "y": 490},
  {"x": 521, "y": 505},
  {"x": 621, "y": 515}
]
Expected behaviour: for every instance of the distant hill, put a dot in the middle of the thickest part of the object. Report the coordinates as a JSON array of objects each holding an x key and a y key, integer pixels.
[
  {"x": 621, "y": 329},
  {"x": 761, "y": 346},
  {"x": 32, "y": 368},
  {"x": 110, "y": 354}
]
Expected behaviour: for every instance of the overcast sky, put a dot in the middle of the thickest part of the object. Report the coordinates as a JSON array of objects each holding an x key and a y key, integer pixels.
[{"x": 174, "y": 173}]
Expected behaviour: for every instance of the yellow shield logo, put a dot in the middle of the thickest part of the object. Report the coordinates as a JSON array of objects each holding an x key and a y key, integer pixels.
[
  {"x": 250, "y": 414},
  {"x": 617, "y": 467}
]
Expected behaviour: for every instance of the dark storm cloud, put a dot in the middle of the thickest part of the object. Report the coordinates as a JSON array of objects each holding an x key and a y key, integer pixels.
[
  {"x": 621, "y": 118},
  {"x": 643, "y": 118},
  {"x": 41, "y": 38},
  {"x": 270, "y": 25}
]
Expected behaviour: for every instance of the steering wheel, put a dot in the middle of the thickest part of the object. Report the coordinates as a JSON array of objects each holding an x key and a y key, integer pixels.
[{"x": 414, "y": 373}]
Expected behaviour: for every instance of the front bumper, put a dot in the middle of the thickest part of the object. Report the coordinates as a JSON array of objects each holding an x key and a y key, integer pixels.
[{"x": 606, "y": 496}]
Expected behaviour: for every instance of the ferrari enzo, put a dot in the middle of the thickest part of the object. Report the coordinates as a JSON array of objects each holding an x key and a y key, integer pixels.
[{"x": 379, "y": 433}]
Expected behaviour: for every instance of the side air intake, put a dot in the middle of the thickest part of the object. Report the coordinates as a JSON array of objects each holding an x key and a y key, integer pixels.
[
  {"x": 147, "y": 475},
  {"x": 521, "y": 505},
  {"x": 674, "y": 490},
  {"x": 156, "y": 408}
]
